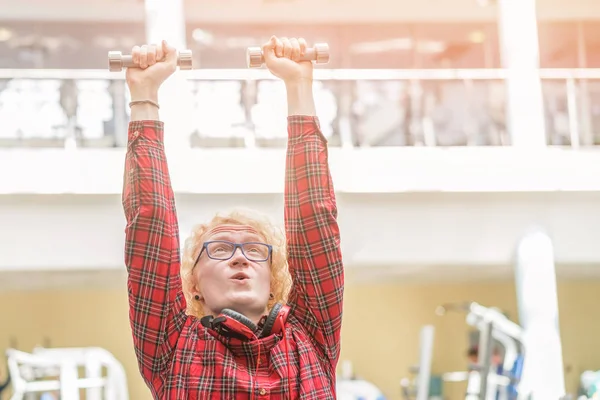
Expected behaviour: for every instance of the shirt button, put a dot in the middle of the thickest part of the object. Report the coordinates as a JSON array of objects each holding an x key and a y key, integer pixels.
[{"x": 262, "y": 392}]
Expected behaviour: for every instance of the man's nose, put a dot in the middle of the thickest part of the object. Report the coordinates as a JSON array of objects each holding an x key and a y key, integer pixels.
[{"x": 238, "y": 257}]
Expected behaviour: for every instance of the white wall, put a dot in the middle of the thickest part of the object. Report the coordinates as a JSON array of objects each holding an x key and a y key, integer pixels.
[
  {"x": 306, "y": 11},
  {"x": 371, "y": 170},
  {"x": 406, "y": 213},
  {"x": 407, "y": 235}
]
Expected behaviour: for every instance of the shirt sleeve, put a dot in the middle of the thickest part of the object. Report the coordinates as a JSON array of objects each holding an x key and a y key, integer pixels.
[
  {"x": 313, "y": 237},
  {"x": 156, "y": 302}
]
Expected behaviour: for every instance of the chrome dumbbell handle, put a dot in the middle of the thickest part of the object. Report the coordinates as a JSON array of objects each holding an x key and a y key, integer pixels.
[
  {"x": 117, "y": 61},
  {"x": 319, "y": 54}
]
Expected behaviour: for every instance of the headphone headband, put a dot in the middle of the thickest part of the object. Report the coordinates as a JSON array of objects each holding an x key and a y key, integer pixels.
[{"x": 235, "y": 325}]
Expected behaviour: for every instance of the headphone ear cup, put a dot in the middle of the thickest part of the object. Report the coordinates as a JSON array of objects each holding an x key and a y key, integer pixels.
[{"x": 276, "y": 320}]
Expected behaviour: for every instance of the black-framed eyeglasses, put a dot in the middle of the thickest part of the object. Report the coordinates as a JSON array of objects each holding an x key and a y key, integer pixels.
[{"x": 223, "y": 250}]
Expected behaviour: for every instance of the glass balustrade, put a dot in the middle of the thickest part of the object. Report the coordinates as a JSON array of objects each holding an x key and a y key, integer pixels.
[{"x": 357, "y": 108}]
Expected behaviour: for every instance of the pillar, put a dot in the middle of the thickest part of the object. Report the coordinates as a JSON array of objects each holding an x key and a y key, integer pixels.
[
  {"x": 535, "y": 276},
  {"x": 518, "y": 34},
  {"x": 165, "y": 20}
]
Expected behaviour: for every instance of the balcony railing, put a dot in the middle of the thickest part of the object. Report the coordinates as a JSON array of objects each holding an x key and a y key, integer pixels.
[{"x": 236, "y": 108}]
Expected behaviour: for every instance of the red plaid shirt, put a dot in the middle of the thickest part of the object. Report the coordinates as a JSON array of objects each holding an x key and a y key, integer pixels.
[{"x": 180, "y": 359}]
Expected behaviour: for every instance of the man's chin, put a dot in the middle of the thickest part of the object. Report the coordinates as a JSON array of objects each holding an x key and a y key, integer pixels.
[{"x": 245, "y": 303}]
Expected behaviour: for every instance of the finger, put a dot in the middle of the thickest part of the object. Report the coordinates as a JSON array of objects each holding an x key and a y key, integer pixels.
[
  {"x": 303, "y": 46},
  {"x": 268, "y": 49},
  {"x": 295, "y": 53},
  {"x": 278, "y": 47},
  {"x": 287, "y": 47},
  {"x": 160, "y": 54},
  {"x": 144, "y": 57},
  {"x": 152, "y": 55},
  {"x": 135, "y": 54}
]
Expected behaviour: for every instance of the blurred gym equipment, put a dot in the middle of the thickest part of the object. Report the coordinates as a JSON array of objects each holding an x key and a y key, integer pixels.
[
  {"x": 48, "y": 371},
  {"x": 419, "y": 388},
  {"x": 318, "y": 54},
  {"x": 483, "y": 382},
  {"x": 536, "y": 335},
  {"x": 4, "y": 385},
  {"x": 589, "y": 385},
  {"x": 117, "y": 61},
  {"x": 350, "y": 387}
]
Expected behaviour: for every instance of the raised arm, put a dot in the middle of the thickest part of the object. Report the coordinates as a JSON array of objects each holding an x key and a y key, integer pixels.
[
  {"x": 156, "y": 302},
  {"x": 314, "y": 253},
  {"x": 315, "y": 258}
]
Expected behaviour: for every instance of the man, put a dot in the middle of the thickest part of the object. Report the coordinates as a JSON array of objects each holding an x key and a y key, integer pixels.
[{"x": 214, "y": 324}]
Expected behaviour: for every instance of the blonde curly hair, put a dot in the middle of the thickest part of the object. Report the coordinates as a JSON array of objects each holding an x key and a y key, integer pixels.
[{"x": 280, "y": 276}]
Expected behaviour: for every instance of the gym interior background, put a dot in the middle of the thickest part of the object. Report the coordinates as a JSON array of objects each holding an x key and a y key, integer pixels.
[{"x": 447, "y": 149}]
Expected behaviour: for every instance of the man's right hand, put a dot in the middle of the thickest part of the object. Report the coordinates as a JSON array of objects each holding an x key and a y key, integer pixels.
[
  {"x": 281, "y": 58},
  {"x": 156, "y": 64}
]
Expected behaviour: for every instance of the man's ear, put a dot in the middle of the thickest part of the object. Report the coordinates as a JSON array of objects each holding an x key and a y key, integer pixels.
[
  {"x": 196, "y": 294},
  {"x": 193, "y": 287}
]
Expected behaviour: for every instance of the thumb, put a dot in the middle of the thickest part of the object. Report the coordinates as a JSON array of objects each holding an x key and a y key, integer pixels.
[
  {"x": 268, "y": 50},
  {"x": 170, "y": 53}
]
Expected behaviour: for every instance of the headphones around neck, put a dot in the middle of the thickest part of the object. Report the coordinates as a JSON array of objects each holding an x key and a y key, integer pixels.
[{"x": 232, "y": 324}]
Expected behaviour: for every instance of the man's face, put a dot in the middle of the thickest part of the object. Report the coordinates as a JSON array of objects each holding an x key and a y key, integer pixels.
[{"x": 237, "y": 283}]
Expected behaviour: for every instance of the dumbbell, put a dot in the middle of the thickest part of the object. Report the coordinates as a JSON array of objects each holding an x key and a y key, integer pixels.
[
  {"x": 319, "y": 54},
  {"x": 118, "y": 61}
]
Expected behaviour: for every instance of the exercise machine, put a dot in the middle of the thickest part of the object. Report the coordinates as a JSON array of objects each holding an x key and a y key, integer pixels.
[
  {"x": 589, "y": 385},
  {"x": 350, "y": 387},
  {"x": 4, "y": 385},
  {"x": 419, "y": 387},
  {"x": 54, "y": 373},
  {"x": 486, "y": 381}
]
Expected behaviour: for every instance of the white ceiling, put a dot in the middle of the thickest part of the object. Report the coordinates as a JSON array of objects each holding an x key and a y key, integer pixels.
[{"x": 308, "y": 11}]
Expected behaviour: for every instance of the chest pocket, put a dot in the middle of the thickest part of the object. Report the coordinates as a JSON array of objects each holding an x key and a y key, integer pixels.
[
  {"x": 216, "y": 374},
  {"x": 281, "y": 358}
]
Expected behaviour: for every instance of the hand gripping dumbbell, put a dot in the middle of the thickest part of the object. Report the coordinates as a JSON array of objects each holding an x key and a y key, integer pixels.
[
  {"x": 118, "y": 61},
  {"x": 319, "y": 54}
]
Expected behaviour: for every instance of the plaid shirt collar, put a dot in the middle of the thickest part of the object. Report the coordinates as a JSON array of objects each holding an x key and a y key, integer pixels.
[{"x": 239, "y": 347}]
